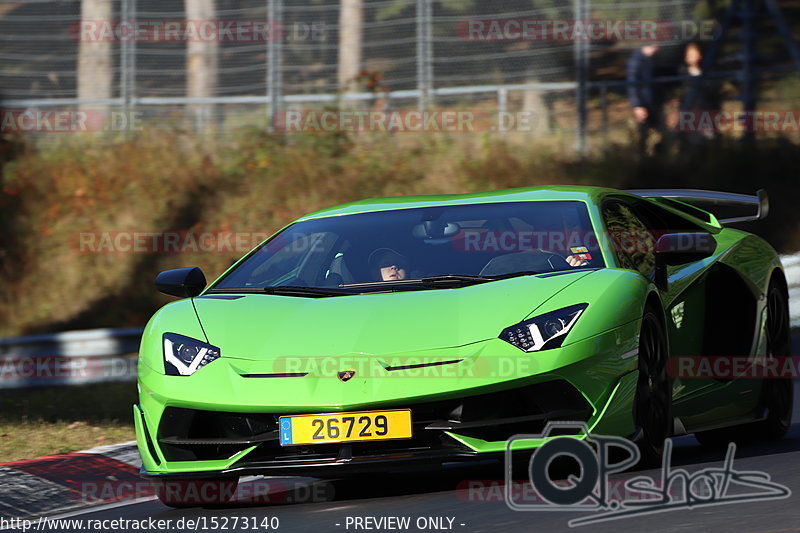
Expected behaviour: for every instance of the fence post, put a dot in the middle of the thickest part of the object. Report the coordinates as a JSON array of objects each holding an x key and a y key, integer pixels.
[
  {"x": 274, "y": 61},
  {"x": 581, "y": 49},
  {"x": 128, "y": 60},
  {"x": 351, "y": 48},
  {"x": 202, "y": 64},
  {"x": 95, "y": 76},
  {"x": 502, "y": 109},
  {"x": 749, "y": 63},
  {"x": 604, "y": 114},
  {"x": 424, "y": 53}
]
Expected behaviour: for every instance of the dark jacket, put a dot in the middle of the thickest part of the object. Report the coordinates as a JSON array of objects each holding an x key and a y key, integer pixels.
[
  {"x": 699, "y": 93},
  {"x": 642, "y": 89}
]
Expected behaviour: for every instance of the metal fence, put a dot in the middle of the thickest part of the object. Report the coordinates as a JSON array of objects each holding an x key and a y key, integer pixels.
[
  {"x": 265, "y": 55},
  {"x": 413, "y": 44}
]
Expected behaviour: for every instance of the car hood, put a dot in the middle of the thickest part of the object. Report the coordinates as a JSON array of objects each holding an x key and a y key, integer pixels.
[{"x": 260, "y": 327}]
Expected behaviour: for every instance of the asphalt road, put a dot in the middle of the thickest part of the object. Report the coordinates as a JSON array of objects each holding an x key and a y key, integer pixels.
[{"x": 443, "y": 501}]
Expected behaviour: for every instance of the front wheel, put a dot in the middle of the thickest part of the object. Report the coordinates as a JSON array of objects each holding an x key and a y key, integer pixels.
[
  {"x": 183, "y": 493},
  {"x": 653, "y": 402}
]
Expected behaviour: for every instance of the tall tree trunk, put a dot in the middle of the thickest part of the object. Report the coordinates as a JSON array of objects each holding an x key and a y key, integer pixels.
[
  {"x": 351, "y": 18},
  {"x": 95, "y": 78},
  {"x": 202, "y": 58}
]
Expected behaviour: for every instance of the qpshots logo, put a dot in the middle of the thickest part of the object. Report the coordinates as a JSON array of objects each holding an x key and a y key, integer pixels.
[{"x": 599, "y": 457}]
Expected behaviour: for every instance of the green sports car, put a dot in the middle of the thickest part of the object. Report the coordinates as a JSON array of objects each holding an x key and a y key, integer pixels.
[{"x": 409, "y": 332}]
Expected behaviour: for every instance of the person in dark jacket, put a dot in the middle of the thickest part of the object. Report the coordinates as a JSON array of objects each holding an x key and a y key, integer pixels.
[
  {"x": 699, "y": 95},
  {"x": 644, "y": 93}
]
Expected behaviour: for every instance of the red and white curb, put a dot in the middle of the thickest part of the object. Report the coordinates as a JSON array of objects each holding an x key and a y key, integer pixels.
[{"x": 58, "y": 483}]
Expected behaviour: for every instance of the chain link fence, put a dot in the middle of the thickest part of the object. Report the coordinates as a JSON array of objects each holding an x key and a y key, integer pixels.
[{"x": 222, "y": 64}]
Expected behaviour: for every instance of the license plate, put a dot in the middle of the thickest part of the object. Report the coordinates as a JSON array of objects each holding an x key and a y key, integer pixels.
[{"x": 345, "y": 427}]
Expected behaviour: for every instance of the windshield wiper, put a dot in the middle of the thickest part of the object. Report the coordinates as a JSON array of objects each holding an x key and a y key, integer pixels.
[
  {"x": 428, "y": 282},
  {"x": 319, "y": 292},
  {"x": 455, "y": 279},
  {"x": 517, "y": 274},
  {"x": 431, "y": 282},
  {"x": 285, "y": 290}
]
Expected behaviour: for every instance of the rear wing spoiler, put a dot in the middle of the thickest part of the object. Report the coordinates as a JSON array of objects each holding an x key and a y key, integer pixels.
[{"x": 760, "y": 202}]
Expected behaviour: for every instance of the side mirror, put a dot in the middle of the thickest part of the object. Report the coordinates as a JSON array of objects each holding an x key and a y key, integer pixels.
[
  {"x": 182, "y": 282},
  {"x": 679, "y": 249}
]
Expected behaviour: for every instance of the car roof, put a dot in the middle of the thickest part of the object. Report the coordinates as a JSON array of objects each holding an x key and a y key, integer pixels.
[{"x": 551, "y": 192}]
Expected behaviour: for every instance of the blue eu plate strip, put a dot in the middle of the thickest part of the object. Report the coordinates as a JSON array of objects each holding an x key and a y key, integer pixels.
[{"x": 285, "y": 424}]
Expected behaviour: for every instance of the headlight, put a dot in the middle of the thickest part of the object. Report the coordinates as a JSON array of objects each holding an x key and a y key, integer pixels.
[
  {"x": 545, "y": 331},
  {"x": 183, "y": 356}
]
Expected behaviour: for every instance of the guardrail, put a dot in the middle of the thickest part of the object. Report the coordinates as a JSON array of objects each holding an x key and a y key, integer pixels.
[
  {"x": 69, "y": 358},
  {"x": 96, "y": 356}
]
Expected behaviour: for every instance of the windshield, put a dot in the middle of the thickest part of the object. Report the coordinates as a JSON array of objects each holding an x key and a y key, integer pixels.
[{"x": 399, "y": 246}]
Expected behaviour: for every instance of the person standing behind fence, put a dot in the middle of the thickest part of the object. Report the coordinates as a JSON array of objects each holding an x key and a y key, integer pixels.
[
  {"x": 644, "y": 94},
  {"x": 699, "y": 95}
]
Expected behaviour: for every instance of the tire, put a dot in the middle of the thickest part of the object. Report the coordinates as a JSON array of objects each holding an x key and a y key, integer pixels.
[
  {"x": 777, "y": 395},
  {"x": 185, "y": 493},
  {"x": 653, "y": 400}
]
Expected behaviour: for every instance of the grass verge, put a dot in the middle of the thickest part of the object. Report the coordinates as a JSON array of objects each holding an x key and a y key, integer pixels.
[{"x": 45, "y": 421}]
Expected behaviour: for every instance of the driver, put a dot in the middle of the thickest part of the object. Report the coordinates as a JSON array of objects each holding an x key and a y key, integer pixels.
[{"x": 386, "y": 264}]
